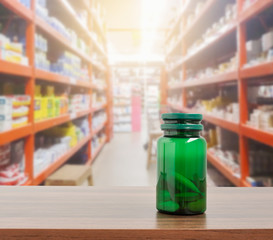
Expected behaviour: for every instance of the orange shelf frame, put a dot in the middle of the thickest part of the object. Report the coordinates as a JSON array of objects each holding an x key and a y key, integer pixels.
[
  {"x": 98, "y": 129},
  {"x": 49, "y": 76},
  {"x": 225, "y": 170},
  {"x": 54, "y": 166},
  {"x": 15, "y": 134},
  {"x": 254, "y": 9},
  {"x": 98, "y": 88},
  {"x": 19, "y": 9},
  {"x": 257, "y": 134},
  {"x": 98, "y": 66},
  {"x": 53, "y": 77},
  {"x": 232, "y": 126},
  {"x": 15, "y": 69},
  {"x": 27, "y": 183},
  {"x": 261, "y": 70},
  {"x": 52, "y": 122},
  {"x": 221, "y": 78},
  {"x": 96, "y": 109},
  {"x": 97, "y": 151}
]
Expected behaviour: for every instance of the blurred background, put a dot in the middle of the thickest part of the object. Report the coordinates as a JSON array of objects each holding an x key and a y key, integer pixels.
[{"x": 83, "y": 84}]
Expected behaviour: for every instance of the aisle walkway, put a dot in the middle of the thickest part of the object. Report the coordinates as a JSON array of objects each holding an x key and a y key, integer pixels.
[{"x": 122, "y": 162}]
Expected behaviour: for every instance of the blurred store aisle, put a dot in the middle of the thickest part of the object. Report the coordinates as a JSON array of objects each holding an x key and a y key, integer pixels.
[{"x": 123, "y": 163}]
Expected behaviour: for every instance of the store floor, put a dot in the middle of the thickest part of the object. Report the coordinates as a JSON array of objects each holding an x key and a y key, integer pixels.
[{"x": 122, "y": 162}]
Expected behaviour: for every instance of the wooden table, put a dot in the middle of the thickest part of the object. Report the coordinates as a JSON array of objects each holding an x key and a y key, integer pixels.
[{"x": 129, "y": 213}]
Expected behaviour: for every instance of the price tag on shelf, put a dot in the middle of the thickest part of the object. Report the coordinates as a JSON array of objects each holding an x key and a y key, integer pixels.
[{"x": 72, "y": 80}]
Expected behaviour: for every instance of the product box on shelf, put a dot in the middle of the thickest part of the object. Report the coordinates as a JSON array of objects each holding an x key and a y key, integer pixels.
[
  {"x": 12, "y": 161},
  {"x": 12, "y": 51},
  {"x": 267, "y": 41},
  {"x": 98, "y": 119},
  {"x": 55, "y": 142},
  {"x": 254, "y": 49},
  {"x": 14, "y": 111}
]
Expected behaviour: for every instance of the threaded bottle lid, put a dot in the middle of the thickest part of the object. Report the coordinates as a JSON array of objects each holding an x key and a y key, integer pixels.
[
  {"x": 182, "y": 121},
  {"x": 185, "y": 116}
]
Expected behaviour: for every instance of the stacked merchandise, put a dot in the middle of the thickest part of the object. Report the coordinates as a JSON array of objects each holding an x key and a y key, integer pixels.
[
  {"x": 260, "y": 165},
  {"x": 48, "y": 105},
  {"x": 175, "y": 37},
  {"x": 262, "y": 116},
  {"x": 41, "y": 48},
  {"x": 175, "y": 78},
  {"x": 224, "y": 145},
  {"x": 175, "y": 99},
  {"x": 53, "y": 143},
  {"x": 12, "y": 164},
  {"x": 123, "y": 107},
  {"x": 11, "y": 50},
  {"x": 152, "y": 101},
  {"x": 69, "y": 34},
  {"x": 99, "y": 80},
  {"x": 260, "y": 50},
  {"x": 98, "y": 99},
  {"x": 194, "y": 14},
  {"x": 219, "y": 107},
  {"x": 71, "y": 66},
  {"x": 122, "y": 118},
  {"x": 223, "y": 25},
  {"x": 68, "y": 63},
  {"x": 78, "y": 103},
  {"x": 209, "y": 72},
  {"x": 13, "y": 41},
  {"x": 98, "y": 119},
  {"x": 14, "y": 107}
]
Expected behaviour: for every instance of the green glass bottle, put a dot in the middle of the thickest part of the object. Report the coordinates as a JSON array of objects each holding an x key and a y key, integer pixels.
[{"x": 181, "y": 165}]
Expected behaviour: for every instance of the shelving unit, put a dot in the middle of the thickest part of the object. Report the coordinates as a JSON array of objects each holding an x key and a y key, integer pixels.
[
  {"x": 240, "y": 76},
  {"x": 29, "y": 74}
]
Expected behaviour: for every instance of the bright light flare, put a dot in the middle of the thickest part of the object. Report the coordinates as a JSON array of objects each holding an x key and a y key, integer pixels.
[{"x": 151, "y": 13}]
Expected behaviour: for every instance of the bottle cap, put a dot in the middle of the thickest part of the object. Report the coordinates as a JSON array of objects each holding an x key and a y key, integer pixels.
[{"x": 185, "y": 116}]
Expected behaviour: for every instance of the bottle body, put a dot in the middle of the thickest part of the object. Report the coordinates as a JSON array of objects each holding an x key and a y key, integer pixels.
[{"x": 181, "y": 172}]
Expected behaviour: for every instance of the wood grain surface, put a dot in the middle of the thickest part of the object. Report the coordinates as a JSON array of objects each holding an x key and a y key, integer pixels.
[{"x": 129, "y": 213}]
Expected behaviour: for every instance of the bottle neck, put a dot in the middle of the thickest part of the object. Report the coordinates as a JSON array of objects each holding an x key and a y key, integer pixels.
[{"x": 182, "y": 133}]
